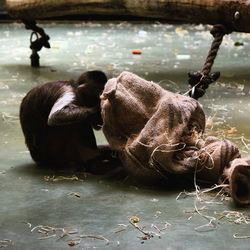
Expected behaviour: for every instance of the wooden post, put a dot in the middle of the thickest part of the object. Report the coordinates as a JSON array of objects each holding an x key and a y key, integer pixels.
[{"x": 235, "y": 14}]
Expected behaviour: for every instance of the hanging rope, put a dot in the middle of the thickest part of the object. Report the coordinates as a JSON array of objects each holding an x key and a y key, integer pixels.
[
  {"x": 199, "y": 81},
  {"x": 41, "y": 40}
]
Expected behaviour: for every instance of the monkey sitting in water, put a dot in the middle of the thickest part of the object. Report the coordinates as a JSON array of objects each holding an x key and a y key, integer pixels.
[{"x": 57, "y": 119}]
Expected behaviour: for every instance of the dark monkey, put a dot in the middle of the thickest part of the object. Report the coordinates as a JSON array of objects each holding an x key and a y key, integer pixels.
[{"x": 57, "y": 119}]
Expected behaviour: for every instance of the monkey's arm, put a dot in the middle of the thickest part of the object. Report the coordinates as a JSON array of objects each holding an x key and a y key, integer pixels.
[{"x": 69, "y": 114}]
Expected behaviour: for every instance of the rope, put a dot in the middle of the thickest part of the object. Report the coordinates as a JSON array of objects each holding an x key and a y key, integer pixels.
[
  {"x": 200, "y": 81},
  {"x": 41, "y": 40}
]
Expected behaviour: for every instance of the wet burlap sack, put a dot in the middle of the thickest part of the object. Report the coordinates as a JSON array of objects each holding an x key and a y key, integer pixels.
[{"x": 160, "y": 134}]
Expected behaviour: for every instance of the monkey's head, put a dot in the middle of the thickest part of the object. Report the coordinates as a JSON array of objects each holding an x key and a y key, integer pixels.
[
  {"x": 89, "y": 87},
  {"x": 93, "y": 80}
]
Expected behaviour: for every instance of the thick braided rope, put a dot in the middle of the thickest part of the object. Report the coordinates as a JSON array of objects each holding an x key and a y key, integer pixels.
[
  {"x": 218, "y": 31},
  {"x": 200, "y": 80}
]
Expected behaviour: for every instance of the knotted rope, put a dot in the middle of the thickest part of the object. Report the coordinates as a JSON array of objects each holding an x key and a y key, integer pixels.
[
  {"x": 41, "y": 40},
  {"x": 199, "y": 81}
]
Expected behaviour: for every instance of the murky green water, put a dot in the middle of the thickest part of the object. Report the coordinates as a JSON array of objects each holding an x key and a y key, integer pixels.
[{"x": 94, "y": 206}]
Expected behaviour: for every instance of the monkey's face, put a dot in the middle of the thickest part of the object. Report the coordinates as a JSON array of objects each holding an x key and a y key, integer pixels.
[
  {"x": 90, "y": 86},
  {"x": 95, "y": 78}
]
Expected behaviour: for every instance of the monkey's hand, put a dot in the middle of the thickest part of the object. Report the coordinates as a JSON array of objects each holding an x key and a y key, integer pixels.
[
  {"x": 71, "y": 113},
  {"x": 95, "y": 119}
]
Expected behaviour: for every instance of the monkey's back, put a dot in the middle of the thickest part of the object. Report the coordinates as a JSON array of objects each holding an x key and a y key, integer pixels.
[
  {"x": 62, "y": 146},
  {"x": 34, "y": 111},
  {"x": 37, "y": 104}
]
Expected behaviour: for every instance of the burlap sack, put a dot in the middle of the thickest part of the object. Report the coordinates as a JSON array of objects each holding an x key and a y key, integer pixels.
[
  {"x": 237, "y": 174},
  {"x": 159, "y": 133}
]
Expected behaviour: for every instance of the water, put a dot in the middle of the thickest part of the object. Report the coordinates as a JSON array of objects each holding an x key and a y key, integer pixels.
[{"x": 95, "y": 206}]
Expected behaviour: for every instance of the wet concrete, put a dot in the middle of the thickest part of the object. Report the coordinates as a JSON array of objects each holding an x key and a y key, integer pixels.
[{"x": 99, "y": 207}]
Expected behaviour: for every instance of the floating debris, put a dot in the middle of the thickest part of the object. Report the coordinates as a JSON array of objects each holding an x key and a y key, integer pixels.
[
  {"x": 202, "y": 198},
  {"x": 200, "y": 194},
  {"x": 9, "y": 118},
  {"x": 183, "y": 57},
  {"x": 236, "y": 236},
  {"x": 136, "y": 52},
  {"x": 160, "y": 230},
  {"x": 74, "y": 242},
  {"x": 154, "y": 200},
  {"x": 142, "y": 33},
  {"x": 49, "y": 232},
  {"x": 122, "y": 227},
  {"x": 133, "y": 220},
  {"x": 237, "y": 44},
  {"x": 210, "y": 226},
  {"x": 77, "y": 195},
  {"x": 28, "y": 223},
  {"x": 4, "y": 86},
  {"x": 97, "y": 237},
  {"x": 54, "y": 178},
  {"x": 146, "y": 235},
  {"x": 184, "y": 195},
  {"x": 45, "y": 190},
  {"x": 47, "y": 237},
  {"x": 180, "y": 31},
  {"x": 157, "y": 214},
  {"x": 234, "y": 217},
  {"x": 5, "y": 243}
]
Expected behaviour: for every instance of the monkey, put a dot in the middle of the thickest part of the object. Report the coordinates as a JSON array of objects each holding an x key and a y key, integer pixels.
[{"x": 57, "y": 119}]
